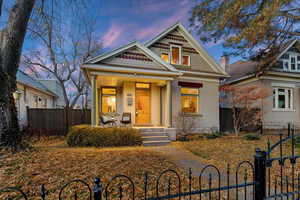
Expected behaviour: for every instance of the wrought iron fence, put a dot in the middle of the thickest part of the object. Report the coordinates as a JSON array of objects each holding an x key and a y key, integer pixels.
[{"x": 256, "y": 182}]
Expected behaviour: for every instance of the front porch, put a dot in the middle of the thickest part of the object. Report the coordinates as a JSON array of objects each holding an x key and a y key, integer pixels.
[{"x": 146, "y": 98}]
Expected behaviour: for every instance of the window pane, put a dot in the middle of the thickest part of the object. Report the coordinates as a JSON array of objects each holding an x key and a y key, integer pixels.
[
  {"x": 281, "y": 98},
  {"x": 193, "y": 91},
  {"x": 108, "y": 104},
  {"x": 165, "y": 57},
  {"x": 286, "y": 65},
  {"x": 285, "y": 56},
  {"x": 293, "y": 59},
  {"x": 293, "y": 66},
  {"x": 186, "y": 60},
  {"x": 289, "y": 99},
  {"x": 189, "y": 104},
  {"x": 109, "y": 91},
  {"x": 274, "y": 98},
  {"x": 175, "y": 55}
]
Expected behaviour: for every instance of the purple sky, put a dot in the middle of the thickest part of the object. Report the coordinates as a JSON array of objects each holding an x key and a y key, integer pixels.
[{"x": 121, "y": 21}]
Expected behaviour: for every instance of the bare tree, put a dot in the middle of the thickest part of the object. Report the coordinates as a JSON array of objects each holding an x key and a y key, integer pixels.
[
  {"x": 246, "y": 103},
  {"x": 64, "y": 44},
  {"x": 12, "y": 38}
]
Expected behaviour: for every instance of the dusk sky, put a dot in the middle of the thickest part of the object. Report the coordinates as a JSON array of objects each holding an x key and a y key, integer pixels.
[
  {"x": 122, "y": 21},
  {"x": 127, "y": 20}
]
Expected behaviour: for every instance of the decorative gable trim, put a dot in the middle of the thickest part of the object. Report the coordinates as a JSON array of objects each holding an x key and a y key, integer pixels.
[
  {"x": 130, "y": 55},
  {"x": 134, "y": 56},
  {"x": 190, "y": 39}
]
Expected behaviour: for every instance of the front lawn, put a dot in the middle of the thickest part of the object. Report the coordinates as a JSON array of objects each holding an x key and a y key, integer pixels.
[
  {"x": 53, "y": 163},
  {"x": 230, "y": 149}
]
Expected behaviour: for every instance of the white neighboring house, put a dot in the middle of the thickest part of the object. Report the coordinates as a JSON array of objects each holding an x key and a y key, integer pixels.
[{"x": 36, "y": 94}]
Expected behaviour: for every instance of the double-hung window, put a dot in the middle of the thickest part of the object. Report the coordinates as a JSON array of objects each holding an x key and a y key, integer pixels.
[
  {"x": 189, "y": 100},
  {"x": 283, "y": 99},
  {"x": 108, "y": 103}
]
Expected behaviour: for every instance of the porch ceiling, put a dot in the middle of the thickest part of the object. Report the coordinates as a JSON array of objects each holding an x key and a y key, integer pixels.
[{"x": 118, "y": 80}]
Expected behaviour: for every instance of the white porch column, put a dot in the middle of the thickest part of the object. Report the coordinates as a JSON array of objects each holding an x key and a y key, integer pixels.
[
  {"x": 94, "y": 107},
  {"x": 168, "y": 104}
]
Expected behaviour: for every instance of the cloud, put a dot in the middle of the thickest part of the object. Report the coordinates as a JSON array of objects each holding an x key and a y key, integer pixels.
[
  {"x": 112, "y": 36},
  {"x": 161, "y": 24}
]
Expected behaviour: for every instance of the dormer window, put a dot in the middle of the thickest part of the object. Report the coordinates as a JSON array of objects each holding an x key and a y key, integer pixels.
[{"x": 175, "y": 55}]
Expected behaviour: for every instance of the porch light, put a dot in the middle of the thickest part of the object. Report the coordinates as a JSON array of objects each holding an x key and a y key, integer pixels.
[{"x": 17, "y": 95}]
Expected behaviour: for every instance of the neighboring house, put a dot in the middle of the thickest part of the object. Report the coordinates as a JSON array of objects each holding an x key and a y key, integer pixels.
[
  {"x": 34, "y": 94},
  {"x": 283, "y": 80},
  {"x": 155, "y": 82}
]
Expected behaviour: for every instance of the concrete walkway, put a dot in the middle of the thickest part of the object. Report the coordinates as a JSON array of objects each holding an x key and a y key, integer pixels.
[{"x": 186, "y": 160}]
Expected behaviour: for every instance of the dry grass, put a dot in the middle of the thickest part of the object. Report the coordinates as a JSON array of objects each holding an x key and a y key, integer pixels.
[
  {"x": 229, "y": 149},
  {"x": 53, "y": 164}
]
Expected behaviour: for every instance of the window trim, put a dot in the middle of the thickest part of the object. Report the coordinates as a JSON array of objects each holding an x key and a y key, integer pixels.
[
  {"x": 287, "y": 102},
  {"x": 171, "y": 54},
  {"x": 289, "y": 62},
  {"x": 189, "y": 60},
  {"x": 101, "y": 96},
  {"x": 191, "y": 95}
]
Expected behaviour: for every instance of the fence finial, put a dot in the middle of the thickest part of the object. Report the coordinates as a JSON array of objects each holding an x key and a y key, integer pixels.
[{"x": 97, "y": 190}]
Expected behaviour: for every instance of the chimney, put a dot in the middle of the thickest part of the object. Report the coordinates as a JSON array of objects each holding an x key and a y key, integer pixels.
[{"x": 224, "y": 62}]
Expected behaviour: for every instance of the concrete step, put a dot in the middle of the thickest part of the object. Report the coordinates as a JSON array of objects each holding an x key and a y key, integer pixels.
[
  {"x": 142, "y": 130},
  {"x": 156, "y": 143},
  {"x": 155, "y": 138},
  {"x": 146, "y": 134}
]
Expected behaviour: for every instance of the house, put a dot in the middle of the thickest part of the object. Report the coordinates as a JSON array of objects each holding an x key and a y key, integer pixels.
[
  {"x": 35, "y": 94},
  {"x": 283, "y": 80},
  {"x": 157, "y": 82}
]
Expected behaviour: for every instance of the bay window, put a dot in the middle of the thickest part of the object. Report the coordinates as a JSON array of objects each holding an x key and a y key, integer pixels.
[
  {"x": 108, "y": 100},
  {"x": 282, "y": 99},
  {"x": 189, "y": 100}
]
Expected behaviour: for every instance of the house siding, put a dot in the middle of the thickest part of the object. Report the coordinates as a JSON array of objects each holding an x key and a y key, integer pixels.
[
  {"x": 27, "y": 99},
  {"x": 280, "y": 118},
  {"x": 208, "y": 116}
]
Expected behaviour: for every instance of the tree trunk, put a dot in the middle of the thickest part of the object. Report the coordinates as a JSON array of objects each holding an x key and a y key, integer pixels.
[{"x": 12, "y": 38}]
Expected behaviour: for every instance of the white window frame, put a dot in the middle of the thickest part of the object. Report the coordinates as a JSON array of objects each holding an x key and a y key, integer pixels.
[
  {"x": 180, "y": 54},
  {"x": 294, "y": 55},
  {"x": 189, "y": 60},
  {"x": 276, "y": 108}
]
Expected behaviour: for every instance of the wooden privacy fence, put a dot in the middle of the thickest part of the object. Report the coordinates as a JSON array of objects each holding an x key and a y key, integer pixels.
[{"x": 55, "y": 121}]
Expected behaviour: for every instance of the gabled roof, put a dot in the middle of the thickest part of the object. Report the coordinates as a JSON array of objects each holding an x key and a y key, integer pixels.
[
  {"x": 216, "y": 67},
  {"x": 240, "y": 70},
  {"x": 286, "y": 47},
  {"x": 25, "y": 79},
  {"x": 133, "y": 44}
]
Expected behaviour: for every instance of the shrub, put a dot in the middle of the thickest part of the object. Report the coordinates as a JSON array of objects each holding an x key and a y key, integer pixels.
[
  {"x": 85, "y": 136},
  {"x": 251, "y": 136},
  {"x": 213, "y": 135}
]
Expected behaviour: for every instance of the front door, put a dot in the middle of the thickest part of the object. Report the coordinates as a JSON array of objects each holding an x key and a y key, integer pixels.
[{"x": 142, "y": 104}]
